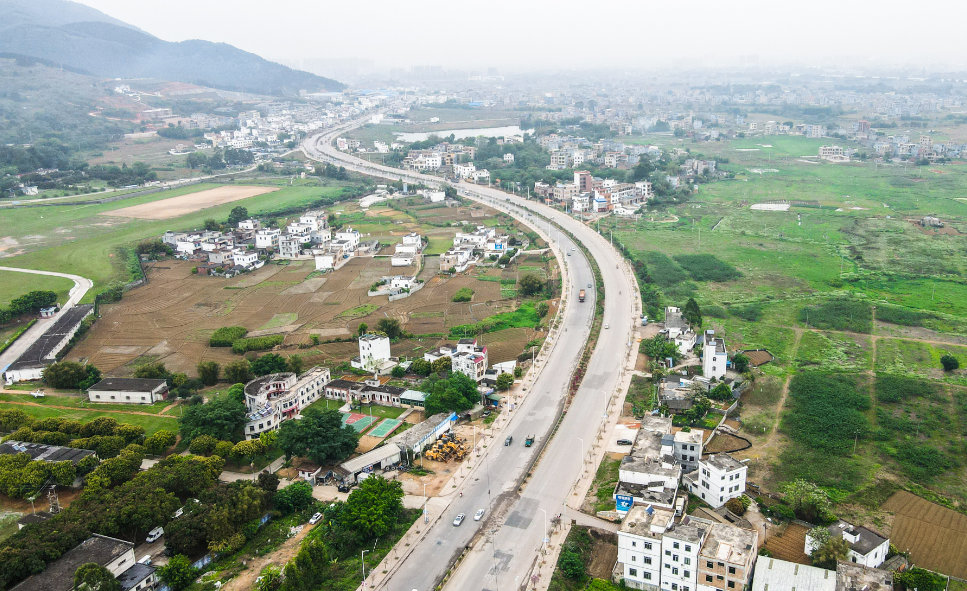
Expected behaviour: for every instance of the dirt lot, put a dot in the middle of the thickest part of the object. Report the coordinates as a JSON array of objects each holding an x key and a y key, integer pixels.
[
  {"x": 789, "y": 543},
  {"x": 725, "y": 443},
  {"x": 603, "y": 555},
  {"x": 254, "y": 565},
  {"x": 757, "y": 358},
  {"x": 935, "y": 536},
  {"x": 185, "y": 204}
]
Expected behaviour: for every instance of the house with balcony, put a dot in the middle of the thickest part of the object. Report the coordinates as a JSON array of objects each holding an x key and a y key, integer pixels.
[{"x": 275, "y": 398}]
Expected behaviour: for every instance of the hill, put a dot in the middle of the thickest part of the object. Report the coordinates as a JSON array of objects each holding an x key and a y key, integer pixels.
[{"x": 88, "y": 40}]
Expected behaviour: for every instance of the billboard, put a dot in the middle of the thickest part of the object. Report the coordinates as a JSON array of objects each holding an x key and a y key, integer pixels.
[{"x": 623, "y": 503}]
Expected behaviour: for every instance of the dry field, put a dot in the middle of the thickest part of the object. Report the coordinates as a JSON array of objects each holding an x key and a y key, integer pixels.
[
  {"x": 185, "y": 204},
  {"x": 789, "y": 544},
  {"x": 935, "y": 536},
  {"x": 172, "y": 317}
]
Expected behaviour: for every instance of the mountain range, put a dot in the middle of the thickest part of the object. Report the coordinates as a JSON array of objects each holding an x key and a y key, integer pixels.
[{"x": 89, "y": 41}]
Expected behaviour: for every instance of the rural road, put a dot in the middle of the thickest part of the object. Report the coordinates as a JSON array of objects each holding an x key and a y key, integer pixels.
[
  {"x": 507, "y": 543},
  {"x": 81, "y": 287}
]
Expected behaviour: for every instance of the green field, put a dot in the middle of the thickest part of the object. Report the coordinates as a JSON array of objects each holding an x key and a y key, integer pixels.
[
  {"x": 14, "y": 284},
  {"x": 82, "y": 403},
  {"x": 151, "y": 424},
  {"x": 79, "y": 240}
]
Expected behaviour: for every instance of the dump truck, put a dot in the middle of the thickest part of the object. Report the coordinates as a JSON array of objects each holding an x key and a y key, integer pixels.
[
  {"x": 529, "y": 441},
  {"x": 581, "y": 296}
]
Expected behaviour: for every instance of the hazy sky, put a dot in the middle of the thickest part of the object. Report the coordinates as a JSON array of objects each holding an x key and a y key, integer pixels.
[{"x": 521, "y": 34}]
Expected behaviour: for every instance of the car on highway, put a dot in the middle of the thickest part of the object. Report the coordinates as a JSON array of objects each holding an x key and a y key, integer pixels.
[
  {"x": 509, "y": 440},
  {"x": 315, "y": 519},
  {"x": 589, "y": 286},
  {"x": 624, "y": 442},
  {"x": 573, "y": 248},
  {"x": 478, "y": 514},
  {"x": 155, "y": 534},
  {"x": 568, "y": 254},
  {"x": 607, "y": 326},
  {"x": 459, "y": 519}
]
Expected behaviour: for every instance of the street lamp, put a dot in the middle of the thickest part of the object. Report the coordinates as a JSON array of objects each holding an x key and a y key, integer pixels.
[
  {"x": 582, "y": 451},
  {"x": 426, "y": 515},
  {"x": 362, "y": 558},
  {"x": 544, "y": 544}
]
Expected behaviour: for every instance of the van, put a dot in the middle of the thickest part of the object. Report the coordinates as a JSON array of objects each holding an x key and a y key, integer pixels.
[
  {"x": 145, "y": 560},
  {"x": 509, "y": 440},
  {"x": 155, "y": 534}
]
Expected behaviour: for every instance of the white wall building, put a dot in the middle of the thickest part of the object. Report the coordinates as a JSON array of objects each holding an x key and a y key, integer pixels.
[
  {"x": 267, "y": 238},
  {"x": 348, "y": 236},
  {"x": 639, "y": 546},
  {"x": 719, "y": 477},
  {"x": 374, "y": 349},
  {"x": 866, "y": 547},
  {"x": 680, "y": 547},
  {"x": 714, "y": 356}
]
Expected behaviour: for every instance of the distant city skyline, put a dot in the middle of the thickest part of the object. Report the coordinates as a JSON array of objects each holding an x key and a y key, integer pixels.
[{"x": 518, "y": 36}]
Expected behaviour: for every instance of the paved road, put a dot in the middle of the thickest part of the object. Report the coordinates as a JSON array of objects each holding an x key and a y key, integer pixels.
[
  {"x": 81, "y": 286},
  {"x": 514, "y": 529}
]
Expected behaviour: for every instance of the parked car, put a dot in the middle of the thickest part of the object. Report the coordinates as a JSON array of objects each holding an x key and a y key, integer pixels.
[
  {"x": 146, "y": 559},
  {"x": 459, "y": 519},
  {"x": 155, "y": 534},
  {"x": 625, "y": 442},
  {"x": 509, "y": 440},
  {"x": 343, "y": 488},
  {"x": 315, "y": 519},
  {"x": 478, "y": 514}
]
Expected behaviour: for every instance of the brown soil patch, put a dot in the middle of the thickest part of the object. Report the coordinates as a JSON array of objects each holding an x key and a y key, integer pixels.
[
  {"x": 65, "y": 496},
  {"x": 725, "y": 443},
  {"x": 935, "y": 536},
  {"x": 604, "y": 554},
  {"x": 788, "y": 543},
  {"x": 757, "y": 358},
  {"x": 184, "y": 204},
  {"x": 254, "y": 565},
  {"x": 442, "y": 473}
]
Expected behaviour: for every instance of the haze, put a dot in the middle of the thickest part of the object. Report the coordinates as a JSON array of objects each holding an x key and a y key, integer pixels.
[{"x": 515, "y": 35}]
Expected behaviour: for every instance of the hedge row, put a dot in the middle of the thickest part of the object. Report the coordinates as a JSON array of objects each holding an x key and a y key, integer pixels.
[
  {"x": 257, "y": 343},
  {"x": 226, "y": 336}
]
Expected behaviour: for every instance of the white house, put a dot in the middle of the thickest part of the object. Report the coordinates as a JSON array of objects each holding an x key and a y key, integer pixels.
[
  {"x": 249, "y": 224},
  {"x": 374, "y": 352},
  {"x": 244, "y": 258},
  {"x": 719, "y": 477},
  {"x": 680, "y": 547},
  {"x": 276, "y": 398},
  {"x": 435, "y": 196},
  {"x": 464, "y": 171},
  {"x": 267, "y": 238},
  {"x": 866, "y": 547},
  {"x": 403, "y": 282},
  {"x": 325, "y": 261},
  {"x": 639, "y": 546},
  {"x": 508, "y": 157},
  {"x": 413, "y": 239},
  {"x": 401, "y": 260},
  {"x": 714, "y": 356},
  {"x": 348, "y": 236},
  {"x": 473, "y": 365},
  {"x": 688, "y": 447},
  {"x": 128, "y": 391},
  {"x": 772, "y": 574}
]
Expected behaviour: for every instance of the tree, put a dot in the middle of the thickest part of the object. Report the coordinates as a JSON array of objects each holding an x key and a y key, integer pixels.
[
  {"x": 542, "y": 308},
  {"x": 159, "y": 442},
  {"x": 211, "y": 225},
  {"x": 374, "y": 508},
  {"x": 530, "y": 284},
  {"x": 238, "y": 371},
  {"x": 949, "y": 362},
  {"x": 921, "y": 580},
  {"x": 268, "y": 482},
  {"x": 178, "y": 573},
  {"x": 320, "y": 436},
  {"x": 810, "y": 502},
  {"x": 152, "y": 371},
  {"x": 295, "y": 497},
  {"x": 247, "y": 449},
  {"x": 268, "y": 364},
  {"x": 237, "y": 215},
  {"x": 398, "y": 372},
  {"x": 94, "y": 577},
  {"x": 722, "y": 392},
  {"x": 505, "y": 381},
  {"x": 362, "y": 328},
  {"x": 208, "y": 372},
  {"x": 421, "y": 367},
  {"x": 441, "y": 365},
  {"x": 203, "y": 445},
  {"x": 390, "y": 327},
  {"x": 223, "y": 449},
  {"x": 571, "y": 564},
  {"x": 220, "y": 418},
  {"x": 692, "y": 313},
  {"x": 65, "y": 375},
  {"x": 735, "y": 506},
  {"x": 295, "y": 364},
  {"x": 93, "y": 377},
  {"x": 740, "y": 363},
  {"x": 830, "y": 552}
]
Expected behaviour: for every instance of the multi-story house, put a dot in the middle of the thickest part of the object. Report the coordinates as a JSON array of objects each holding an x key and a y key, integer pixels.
[
  {"x": 680, "y": 548},
  {"x": 866, "y": 547},
  {"x": 267, "y": 238},
  {"x": 639, "y": 546},
  {"x": 714, "y": 356},
  {"x": 727, "y": 558},
  {"x": 688, "y": 447},
  {"x": 275, "y": 398},
  {"x": 719, "y": 477}
]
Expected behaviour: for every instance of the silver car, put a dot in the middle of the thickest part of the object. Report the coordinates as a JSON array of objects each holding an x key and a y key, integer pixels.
[
  {"x": 478, "y": 514},
  {"x": 459, "y": 519}
]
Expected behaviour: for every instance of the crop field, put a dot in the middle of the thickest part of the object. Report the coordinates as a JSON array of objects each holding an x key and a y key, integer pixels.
[
  {"x": 178, "y": 206},
  {"x": 935, "y": 536},
  {"x": 172, "y": 317}
]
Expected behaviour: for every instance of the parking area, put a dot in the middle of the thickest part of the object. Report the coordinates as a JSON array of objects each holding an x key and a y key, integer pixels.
[
  {"x": 622, "y": 431},
  {"x": 154, "y": 550}
]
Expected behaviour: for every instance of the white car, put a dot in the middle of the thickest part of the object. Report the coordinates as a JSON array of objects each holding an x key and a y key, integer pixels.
[
  {"x": 573, "y": 248},
  {"x": 478, "y": 514},
  {"x": 459, "y": 519},
  {"x": 315, "y": 519},
  {"x": 155, "y": 534},
  {"x": 607, "y": 326},
  {"x": 146, "y": 559}
]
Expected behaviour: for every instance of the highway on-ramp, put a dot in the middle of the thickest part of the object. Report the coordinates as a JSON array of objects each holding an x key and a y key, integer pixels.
[{"x": 512, "y": 532}]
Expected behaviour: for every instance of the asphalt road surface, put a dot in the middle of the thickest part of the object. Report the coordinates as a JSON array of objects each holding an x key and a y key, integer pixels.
[{"x": 513, "y": 529}]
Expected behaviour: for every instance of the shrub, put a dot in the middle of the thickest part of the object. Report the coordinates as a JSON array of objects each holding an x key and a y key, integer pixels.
[
  {"x": 735, "y": 506},
  {"x": 464, "y": 294},
  {"x": 750, "y": 312},
  {"x": 898, "y": 389},
  {"x": 257, "y": 343},
  {"x": 827, "y": 412},
  {"x": 706, "y": 267},
  {"x": 949, "y": 362},
  {"x": 226, "y": 336},
  {"x": 839, "y": 314}
]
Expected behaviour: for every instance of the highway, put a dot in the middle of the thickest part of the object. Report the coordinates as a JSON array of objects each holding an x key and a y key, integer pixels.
[{"x": 512, "y": 532}]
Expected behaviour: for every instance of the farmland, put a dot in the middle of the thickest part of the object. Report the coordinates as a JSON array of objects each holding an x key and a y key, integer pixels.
[
  {"x": 172, "y": 318},
  {"x": 845, "y": 289}
]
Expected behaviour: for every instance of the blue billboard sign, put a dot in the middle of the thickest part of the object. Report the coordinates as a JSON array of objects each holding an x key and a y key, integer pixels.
[{"x": 623, "y": 503}]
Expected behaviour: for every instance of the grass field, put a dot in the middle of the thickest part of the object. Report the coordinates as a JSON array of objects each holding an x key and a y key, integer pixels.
[
  {"x": 82, "y": 403},
  {"x": 151, "y": 424},
  {"x": 14, "y": 285}
]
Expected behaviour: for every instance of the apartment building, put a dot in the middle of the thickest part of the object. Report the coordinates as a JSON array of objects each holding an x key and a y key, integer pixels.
[
  {"x": 276, "y": 398},
  {"x": 719, "y": 477},
  {"x": 727, "y": 558},
  {"x": 680, "y": 548},
  {"x": 714, "y": 356}
]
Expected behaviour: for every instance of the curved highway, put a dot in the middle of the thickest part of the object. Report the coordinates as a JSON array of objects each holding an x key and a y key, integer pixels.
[{"x": 505, "y": 545}]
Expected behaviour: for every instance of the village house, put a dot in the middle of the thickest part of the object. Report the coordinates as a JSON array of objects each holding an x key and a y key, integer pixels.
[
  {"x": 128, "y": 391},
  {"x": 866, "y": 547},
  {"x": 117, "y": 556},
  {"x": 715, "y": 357},
  {"x": 719, "y": 477},
  {"x": 275, "y": 398}
]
